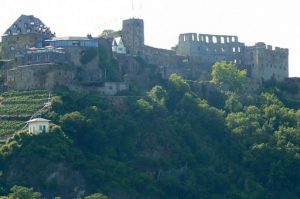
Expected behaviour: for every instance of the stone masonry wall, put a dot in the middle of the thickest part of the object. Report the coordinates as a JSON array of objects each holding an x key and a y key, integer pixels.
[
  {"x": 39, "y": 76},
  {"x": 15, "y": 45},
  {"x": 211, "y": 48},
  {"x": 133, "y": 36},
  {"x": 264, "y": 62}
]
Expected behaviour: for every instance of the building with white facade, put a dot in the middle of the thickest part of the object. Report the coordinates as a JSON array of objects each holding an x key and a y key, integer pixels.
[
  {"x": 118, "y": 47},
  {"x": 38, "y": 125}
]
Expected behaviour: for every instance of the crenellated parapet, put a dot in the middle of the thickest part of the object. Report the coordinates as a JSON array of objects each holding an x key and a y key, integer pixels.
[{"x": 265, "y": 62}]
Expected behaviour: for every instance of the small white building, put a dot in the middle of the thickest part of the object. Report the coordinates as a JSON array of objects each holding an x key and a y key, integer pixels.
[
  {"x": 114, "y": 46},
  {"x": 38, "y": 125},
  {"x": 118, "y": 48}
]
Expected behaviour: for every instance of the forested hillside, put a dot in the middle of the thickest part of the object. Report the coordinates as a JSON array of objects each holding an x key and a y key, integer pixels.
[{"x": 170, "y": 143}]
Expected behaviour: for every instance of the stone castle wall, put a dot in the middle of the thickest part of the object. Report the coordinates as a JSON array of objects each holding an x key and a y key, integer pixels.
[
  {"x": 265, "y": 63},
  {"x": 195, "y": 54},
  {"x": 192, "y": 58},
  {"x": 39, "y": 76},
  {"x": 14, "y": 46},
  {"x": 211, "y": 48},
  {"x": 261, "y": 60}
]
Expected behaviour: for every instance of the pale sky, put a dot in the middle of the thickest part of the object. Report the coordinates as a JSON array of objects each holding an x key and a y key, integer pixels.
[{"x": 275, "y": 22}]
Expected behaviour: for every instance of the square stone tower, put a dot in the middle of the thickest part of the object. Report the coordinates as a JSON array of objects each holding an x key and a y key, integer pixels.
[
  {"x": 133, "y": 36},
  {"x": 265, "y": 62}
]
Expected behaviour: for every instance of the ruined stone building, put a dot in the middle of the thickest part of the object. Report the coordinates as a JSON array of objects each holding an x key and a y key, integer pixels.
[
  {"x": 262, "y": 62},
  {"x": 265, "y": 62},
  {"x": 41, "y": 60},
  {"x": 211, "y": 48},
  {"x": 26, "y": 32},
  {"x": 196, "y": 52},
  {"x": 38, "y": 59}
]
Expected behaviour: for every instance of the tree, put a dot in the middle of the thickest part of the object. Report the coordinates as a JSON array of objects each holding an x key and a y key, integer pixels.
[
  {"x": 178, "y": 84},
  {"x": 96, "y": 196},
  {"x": 105, "y": 33},
  {"x": 19, "y": 192},
  {"x": 177, "y": 87},
  {"x": 233, "y": 103},
  {"x": 75, "y": 124},
  {"x": 73, "y": 121},
  {"x": 246, "y": 123},
  {"x": 145, "y": 106},
  {"x": 228, "y": 75},
  {"x": 158, "y": 95}
]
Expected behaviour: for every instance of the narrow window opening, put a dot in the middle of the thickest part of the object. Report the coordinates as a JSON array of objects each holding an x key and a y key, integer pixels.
[
  {"x": 222, "y": 40},
  {"x": 214, "y": 39}
]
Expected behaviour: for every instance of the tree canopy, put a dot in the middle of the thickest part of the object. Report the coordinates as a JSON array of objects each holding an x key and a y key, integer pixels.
[{"x": 228, "y": 75}]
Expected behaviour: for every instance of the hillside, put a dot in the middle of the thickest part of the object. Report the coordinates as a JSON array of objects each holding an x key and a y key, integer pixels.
[
  {"x": 16, "y": 108},
  {"x": 168, "y": 143}
]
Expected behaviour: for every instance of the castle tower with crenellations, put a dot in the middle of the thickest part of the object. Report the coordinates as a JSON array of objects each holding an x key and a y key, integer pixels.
[{"x": 265, "y": 62}]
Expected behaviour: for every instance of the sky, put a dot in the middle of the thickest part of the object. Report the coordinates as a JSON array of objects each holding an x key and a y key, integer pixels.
[{"x": 275, "y": 22}]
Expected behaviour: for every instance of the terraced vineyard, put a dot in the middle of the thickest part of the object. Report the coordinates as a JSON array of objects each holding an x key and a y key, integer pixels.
[{"x": 16, "y": 107}]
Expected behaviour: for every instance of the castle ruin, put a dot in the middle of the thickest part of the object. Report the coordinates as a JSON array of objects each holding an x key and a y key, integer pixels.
[
  {"x": 41, "y": 60},
  {"x": 263, "y": 62}
]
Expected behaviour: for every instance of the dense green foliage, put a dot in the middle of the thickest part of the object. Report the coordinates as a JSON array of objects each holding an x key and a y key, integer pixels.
[
  {"x": 285, "y": 92},
  {"x": 229, "y": 75},
  {"x": 168, "y": 144},
  {"x": 96, "y": 196},
  {"x": 106, "y": 32},
  {"x": 19, "y": 192}
]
